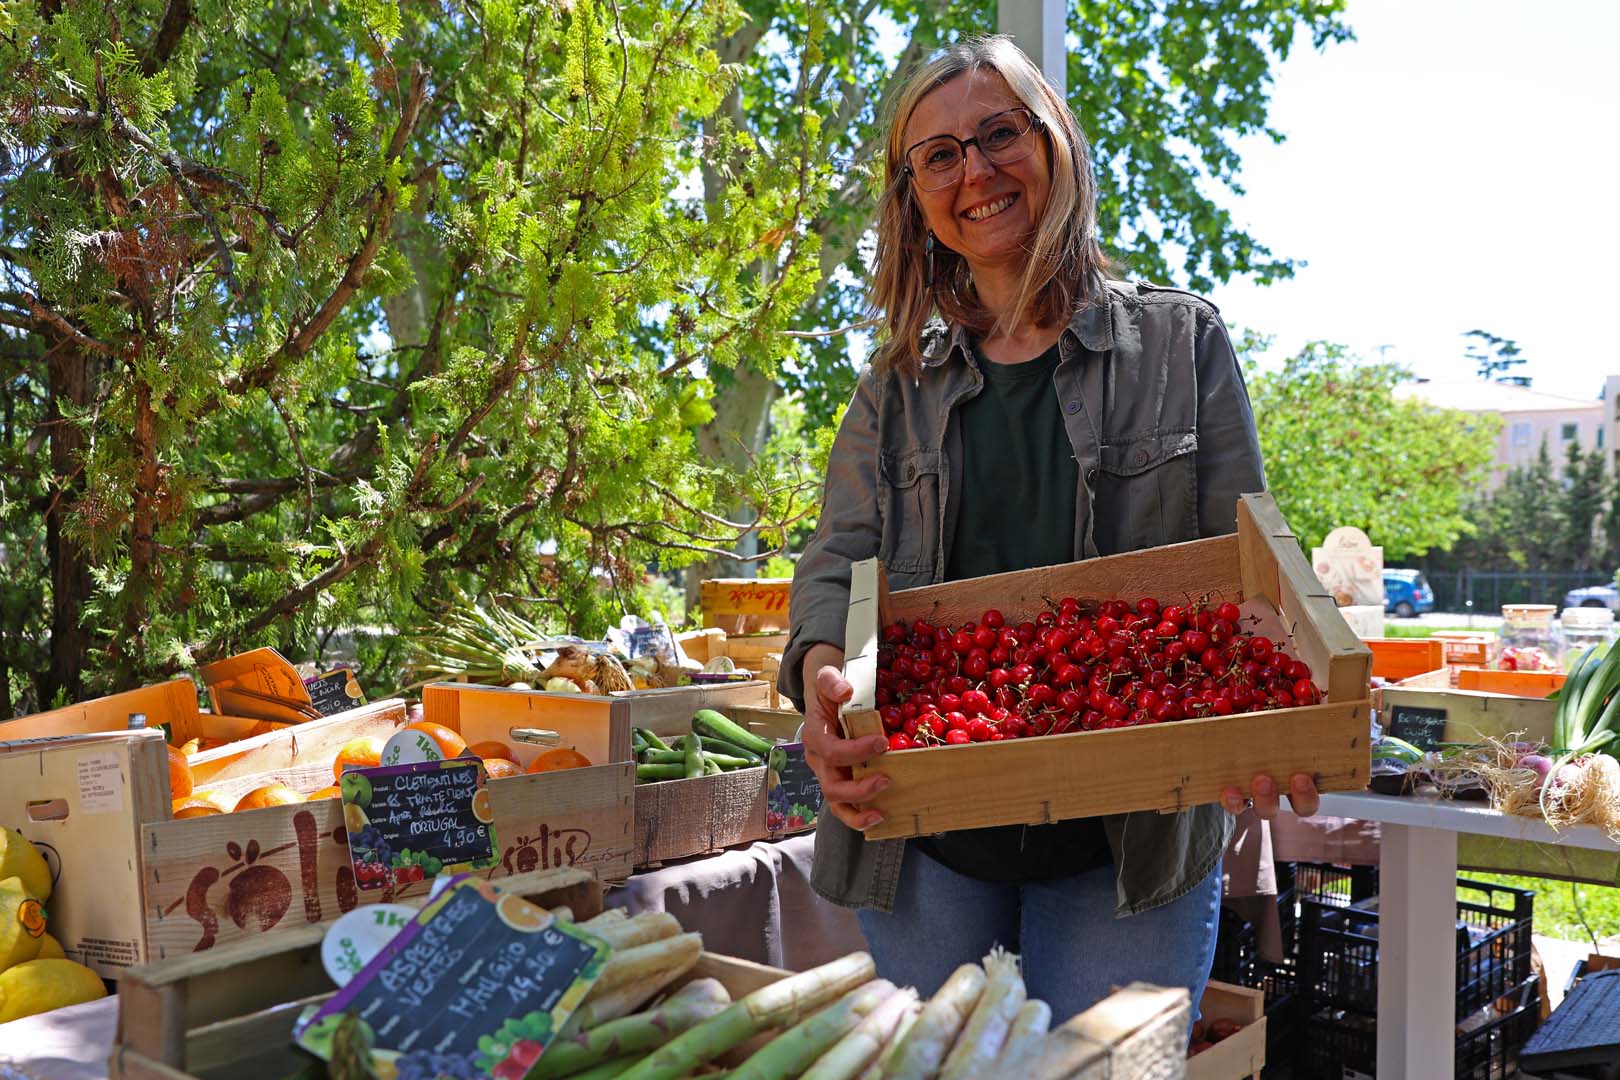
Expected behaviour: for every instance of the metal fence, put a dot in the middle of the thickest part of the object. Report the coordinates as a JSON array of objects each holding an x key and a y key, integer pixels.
[{"x": 1485, "y": 591}]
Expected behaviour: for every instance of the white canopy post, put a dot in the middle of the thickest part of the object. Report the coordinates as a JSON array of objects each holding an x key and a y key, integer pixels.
[{"x": 1039, "y": 27}]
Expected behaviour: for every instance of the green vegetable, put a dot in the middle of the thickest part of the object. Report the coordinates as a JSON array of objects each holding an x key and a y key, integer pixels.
[
  {"x": 1390, "y": 748},
  {"x": 638, "y": 742},
  {"x": 795, "y": 1050},
  {"x": 709, "y": 767},
  {"x": 653, "y": 741},
  {"x": 729, "y": 749},
  {"x": 710, "y": 723},
  {"x": 651, "y": 773},
  {"x": 632, "y": 1035},
  {"x": 677, "y": 757},
  {"x": 694, "y": 755}
]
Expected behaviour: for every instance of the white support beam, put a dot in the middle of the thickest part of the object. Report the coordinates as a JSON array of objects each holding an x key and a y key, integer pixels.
[{"x": 1039, "y": 27}]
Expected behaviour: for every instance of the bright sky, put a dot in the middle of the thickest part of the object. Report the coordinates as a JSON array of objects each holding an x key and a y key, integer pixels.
[{"x": 1454, "y": 167}]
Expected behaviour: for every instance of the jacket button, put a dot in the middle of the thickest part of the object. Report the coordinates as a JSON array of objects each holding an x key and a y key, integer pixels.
[
  {"x": 1140, "y": 457},
  {"x": 1073, "y": 407},
  {"x": 911, "y": 472},
  {"x": 1091, "y": 476}
]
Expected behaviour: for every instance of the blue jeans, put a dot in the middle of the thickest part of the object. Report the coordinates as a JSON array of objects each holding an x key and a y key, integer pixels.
[{"x": 1074, "y": 951}]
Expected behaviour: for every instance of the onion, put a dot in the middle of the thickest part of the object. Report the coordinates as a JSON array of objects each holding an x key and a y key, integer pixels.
[
  {"x": 1541, "y": 763},
  {"x": 1567, "y": 775}
]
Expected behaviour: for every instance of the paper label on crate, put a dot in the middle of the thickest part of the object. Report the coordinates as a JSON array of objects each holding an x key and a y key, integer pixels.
[
  {"x": 334, "y": 691},
  {"x": 1423, "y": 728},
  {"x": 793, "y": 799},
  {"x": 410, "y": 822},
  {"x": 101, "y": 786},
  {"x": 477, "y": 984}
]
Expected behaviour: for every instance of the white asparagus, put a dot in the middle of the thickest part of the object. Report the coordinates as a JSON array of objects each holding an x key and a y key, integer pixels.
[
  {"x": 562, "y": 913},
  {"x": 923, "y": 1050},
  {"x": 608, "y": 915},
  {"x": 643, "y": 961},
  {"x": 1029, "y": 1027},
  {"x": 874, "y": 1071},
  {"x": 981, "y": 1039},
  {"x": 622, "y": 1001},
  {"x": 855, "y": 1051},
  {"x": 791, "y": 1052},
  {"x": 645, "y": 928}
]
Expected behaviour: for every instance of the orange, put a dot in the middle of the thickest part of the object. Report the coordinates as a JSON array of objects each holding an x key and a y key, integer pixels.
[
  {"x": 201, "y": 804},
  {"x": 332, "y": 792},
  {"x": 491, "y": 748},
  {"x": 191, "y": 746},
  {"x": 483, "y": 805},
  {"x": 519, "y": 914},
  {"x": 269, "y": 795},
  {"x": 496, "y": 766},
  {"x": 451, "y": 745},
  {"x": 179, "y": 774},
  {"x": 365, "y": 752},
  {"x": 564, "y": 757}
]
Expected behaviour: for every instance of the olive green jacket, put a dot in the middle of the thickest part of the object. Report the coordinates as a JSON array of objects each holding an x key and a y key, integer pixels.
[{"x": 1159, "y": 419}]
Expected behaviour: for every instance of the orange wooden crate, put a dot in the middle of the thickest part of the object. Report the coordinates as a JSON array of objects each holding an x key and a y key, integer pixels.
[
  {"x": 1537, "y": 684},
  {"x": 1152, "y": 767},
  {"x": 1401, "y": 658}
]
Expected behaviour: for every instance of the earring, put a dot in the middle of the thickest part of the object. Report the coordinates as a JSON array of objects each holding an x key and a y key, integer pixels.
[{"x": 928, "y": 276}]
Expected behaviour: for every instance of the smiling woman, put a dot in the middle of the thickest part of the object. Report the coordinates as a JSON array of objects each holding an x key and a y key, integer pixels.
[{"x": 1022, "y": 410}]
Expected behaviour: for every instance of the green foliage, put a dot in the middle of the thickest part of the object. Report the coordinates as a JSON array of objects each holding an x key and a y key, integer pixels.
[
  {"x": 1495, "y": 357},
  {"x": 1340, "y": 450},
  {"x": 310, "y": 315}
]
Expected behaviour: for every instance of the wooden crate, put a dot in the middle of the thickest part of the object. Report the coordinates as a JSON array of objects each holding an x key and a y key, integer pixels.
[
  {"x": 740, "y": 605},
  {"x": 1464, "y": 716},
  {"x": 1518, "y": 683},
  {"x": 229, "y": 1012},
  {"x": 703, "y": 645},
  {"x": 1465, "y": 648},
  {"x": 1152, "y": 767},
  {"x": 1395, "y": 659},
  {"x": 1238, "y": 1056},
  {"x": 679, "y": 818}
]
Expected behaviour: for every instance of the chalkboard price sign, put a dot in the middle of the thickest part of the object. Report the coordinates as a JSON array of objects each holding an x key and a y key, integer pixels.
[
  {"x": 476, "y": 985},
  {"x": 1423, "y": 728},
  {"x": 334, "y": 692},
  {"x": 409, "y": 822},
  {"x": 793, "y": 800}
]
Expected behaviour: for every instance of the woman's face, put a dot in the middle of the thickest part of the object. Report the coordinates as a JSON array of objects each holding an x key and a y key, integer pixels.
[{"x": 967, "y": 216}]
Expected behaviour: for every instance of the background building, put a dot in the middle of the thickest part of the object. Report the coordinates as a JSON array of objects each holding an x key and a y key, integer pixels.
[{"x": 1529, "y": 416}]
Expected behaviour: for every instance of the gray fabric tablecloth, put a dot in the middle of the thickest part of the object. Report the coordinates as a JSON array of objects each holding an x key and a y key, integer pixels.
[
  {"x": 753, "y": 902},
  {"x": 64, "y": 1044}
]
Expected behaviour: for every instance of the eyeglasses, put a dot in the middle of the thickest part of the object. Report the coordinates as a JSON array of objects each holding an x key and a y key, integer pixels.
[{"x": 937, "y": 162}]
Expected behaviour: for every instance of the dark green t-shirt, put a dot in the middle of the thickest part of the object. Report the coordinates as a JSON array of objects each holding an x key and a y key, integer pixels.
[{"x": 1019, "y": 485}]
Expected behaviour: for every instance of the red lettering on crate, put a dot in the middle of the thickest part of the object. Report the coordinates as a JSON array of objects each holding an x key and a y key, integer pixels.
[{"x": 546, "y": 850}]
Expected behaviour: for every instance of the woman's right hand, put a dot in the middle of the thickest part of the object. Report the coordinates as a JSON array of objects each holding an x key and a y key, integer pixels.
[{"x": 830, "y": 754}]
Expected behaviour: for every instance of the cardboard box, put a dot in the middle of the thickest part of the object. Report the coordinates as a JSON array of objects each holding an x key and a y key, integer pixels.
[
  {"x": 679, "y": 818},
  {"x": 1152, "y": 767}
]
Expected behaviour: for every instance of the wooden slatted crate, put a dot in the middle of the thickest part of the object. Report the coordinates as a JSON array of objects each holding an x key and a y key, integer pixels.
[{"x": 1152, "y": 767}]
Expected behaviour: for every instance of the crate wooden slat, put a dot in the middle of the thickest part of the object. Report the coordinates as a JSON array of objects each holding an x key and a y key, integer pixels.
[
  {"x": 1518, "y": 683},
  {"x": 679, "y": 818},
  {"x": 1152, "y": 767},
  {"x": 755, "y": 603},
  {"x": 1241, "y": 1055},
  {"x": 232, "y": 1009}
]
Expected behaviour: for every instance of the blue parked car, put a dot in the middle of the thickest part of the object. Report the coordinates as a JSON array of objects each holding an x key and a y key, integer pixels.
[
  {"x": 1593, "y": 596},
  {"x": 1406, "y": 593}
]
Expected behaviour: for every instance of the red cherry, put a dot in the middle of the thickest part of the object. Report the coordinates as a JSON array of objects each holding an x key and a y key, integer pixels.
[
  {"x": 984, "y": 638},
  {"x": 899, "y": 741},
  {"x": 1070, "y": 701},
  {"x": 957, "y": 738},
  {"x": 978, "y": 730},
  {"x": 1228, "y": 611},
  {"x": 993, "y": 619}
]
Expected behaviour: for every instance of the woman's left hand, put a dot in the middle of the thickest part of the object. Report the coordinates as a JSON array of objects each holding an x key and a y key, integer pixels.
[{"x": 1302, "y": 797}]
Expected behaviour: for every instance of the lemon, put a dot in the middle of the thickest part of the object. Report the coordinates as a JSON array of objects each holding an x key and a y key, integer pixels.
[
  {"x": 22, "y": 924},
  {"x": 50, "y": 949},
  {"x": 42, "y": 985},
  {"x": 21, "y": 859}
]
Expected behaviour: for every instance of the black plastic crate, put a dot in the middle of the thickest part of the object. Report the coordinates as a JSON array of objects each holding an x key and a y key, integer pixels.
[
  {"x": 1343, "y": 1043},
  {"x": 1327, "y": 883},
  {"x": 1338, "y": 961},
  {"x": 1284, "y": 1010},
  {"x": 1236, "y": 952}
]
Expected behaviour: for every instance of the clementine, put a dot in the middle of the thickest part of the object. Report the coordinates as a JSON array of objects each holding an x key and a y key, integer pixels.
[
  {"x": 497, "y": 767},
  {"x": 333, "y": 792},
  {"x": 564, "y": 757},
  {"x": 365, "y": 752},
  {"x": 201, "y": 804},
  {"x": 269, "y": 795},
  {"x": 451, "y": 744},
  {"x": 491, "y": 748},
  {"x": 179, "y": 774}
]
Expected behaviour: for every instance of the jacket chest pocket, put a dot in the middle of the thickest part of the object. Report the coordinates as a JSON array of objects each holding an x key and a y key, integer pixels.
[
  {"x": 1146, "y": 492},
  {"x": 909, "y": 493}
]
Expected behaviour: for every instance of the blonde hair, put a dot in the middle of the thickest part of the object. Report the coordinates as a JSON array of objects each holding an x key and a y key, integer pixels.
[{"x": 1065, "y": 261}]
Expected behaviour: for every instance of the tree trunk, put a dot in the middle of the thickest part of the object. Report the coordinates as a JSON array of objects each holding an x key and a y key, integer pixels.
[
  {"x": 73, "y": 378},
  {"x": 736, "y": 435}
]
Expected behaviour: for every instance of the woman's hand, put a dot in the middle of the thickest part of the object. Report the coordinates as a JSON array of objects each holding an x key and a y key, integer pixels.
[
  {"x": 1302, "y": 796},
  {"x": 830, "y": 754}
]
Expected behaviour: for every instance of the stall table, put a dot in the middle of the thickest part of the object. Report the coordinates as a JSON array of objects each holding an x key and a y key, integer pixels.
[{"x": 1417, "y": 912}]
